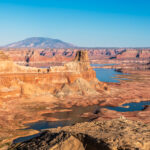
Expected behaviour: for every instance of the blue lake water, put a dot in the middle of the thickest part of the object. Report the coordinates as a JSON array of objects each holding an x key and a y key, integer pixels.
[
  {"x": 131, "y": 107},
  {"x": 107, "y": 75},
  {"x": 75, "y": 117},
  {"x": 69, "y": 117},
  {"x": 96, "y": 65}
]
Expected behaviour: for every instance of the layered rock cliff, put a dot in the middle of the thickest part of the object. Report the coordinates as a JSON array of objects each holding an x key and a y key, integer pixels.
[
  {"x": 134, "y": 54},
  {"x": 15, "y": 79},
  {"x": 8, "y": 66},
  {"x": 45, "y": 57}
]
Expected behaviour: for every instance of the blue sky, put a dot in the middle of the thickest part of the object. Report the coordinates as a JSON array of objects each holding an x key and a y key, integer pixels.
[{"x": 91, "y": 23}]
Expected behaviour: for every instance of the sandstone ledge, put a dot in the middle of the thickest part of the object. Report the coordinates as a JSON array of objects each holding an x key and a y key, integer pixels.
[{"x": 116, "y": 134}]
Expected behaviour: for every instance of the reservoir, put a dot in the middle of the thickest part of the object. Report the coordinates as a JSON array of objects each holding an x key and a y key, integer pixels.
[
  {"x": 107, "y": 75},
  {"x": 74, "y": 116}
]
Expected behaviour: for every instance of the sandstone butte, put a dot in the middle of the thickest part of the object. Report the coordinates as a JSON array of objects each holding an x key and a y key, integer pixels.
[{"x": 18, "y": 81}]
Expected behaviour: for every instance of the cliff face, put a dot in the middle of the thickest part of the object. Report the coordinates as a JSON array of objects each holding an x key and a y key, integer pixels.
[
  {"x": 8, "y": 66},
  {"x": 134, "y": 54},
  {"x": 40, "y": 57},
  {"x": 45, "y": 57},
  {"x": 117, "y": 134},
  {"x": 15, "y": 79},
  {"x": 82, "y": 56}
]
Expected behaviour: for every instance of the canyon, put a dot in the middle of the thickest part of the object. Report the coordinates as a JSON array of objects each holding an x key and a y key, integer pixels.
[
  {"x": 34, "y": 82},
  {"x": 42, "y": 57}
]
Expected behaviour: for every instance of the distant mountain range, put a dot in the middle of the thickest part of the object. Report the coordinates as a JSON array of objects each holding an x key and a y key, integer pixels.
[{"x": 40, "y": 42}]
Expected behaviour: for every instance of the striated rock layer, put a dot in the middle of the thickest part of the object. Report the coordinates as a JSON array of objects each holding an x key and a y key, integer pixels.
[
  {"x": 8, "y": 66},
  {"x": 15, "y": 80},
  {"x": 27, "y": 94},
  {"x": 45, "y": 57},
  {"x": 117, "y": 134}
]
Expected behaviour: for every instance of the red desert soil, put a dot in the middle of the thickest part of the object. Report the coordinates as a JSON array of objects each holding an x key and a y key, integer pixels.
[{"x": 26, "y": 93}]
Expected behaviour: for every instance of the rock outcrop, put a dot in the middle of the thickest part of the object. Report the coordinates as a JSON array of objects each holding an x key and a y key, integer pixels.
[
  {"x": 79, "y": 87},
  {"x": 46, "y": 57},
  {"x": 83, "y": 81},
  {"x": 79, "y": 64},
  {"x": 134, "y": 54},
  {"x": 74, "y": 75},
  {"x": 8, "y": 66},
  {"x": 82, "y": 56},
  {"x": 117, "y": 134}
]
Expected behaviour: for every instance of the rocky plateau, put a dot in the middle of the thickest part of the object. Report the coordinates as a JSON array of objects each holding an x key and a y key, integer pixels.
[{"x": 28, "y": 91}]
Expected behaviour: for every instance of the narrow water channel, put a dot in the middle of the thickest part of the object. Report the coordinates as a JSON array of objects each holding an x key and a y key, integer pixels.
[{"x": 74, "y": 116}]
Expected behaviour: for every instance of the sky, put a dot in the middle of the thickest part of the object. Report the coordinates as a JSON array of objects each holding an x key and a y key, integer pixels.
[{"x": 88, "y": 23}]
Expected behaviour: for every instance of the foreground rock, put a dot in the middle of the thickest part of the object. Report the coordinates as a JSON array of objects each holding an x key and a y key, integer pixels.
[{"x": 117, "y": 134}]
